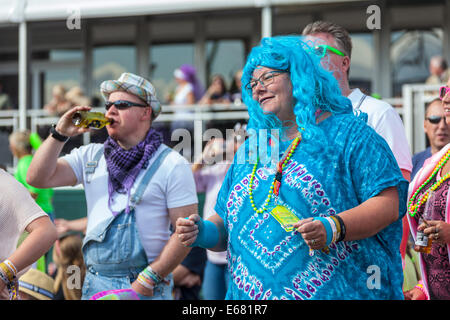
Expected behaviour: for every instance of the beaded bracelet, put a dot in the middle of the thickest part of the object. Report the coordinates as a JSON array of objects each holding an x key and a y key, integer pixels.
[{"x": 4, "y": 277}]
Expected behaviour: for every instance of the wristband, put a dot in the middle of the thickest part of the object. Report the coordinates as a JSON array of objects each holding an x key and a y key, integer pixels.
[
  {"x": 8, "y": 272},
  {"x": 208, "y": 235},
  {"x": 58, "y": 136},
  {"x": 342, "y": 227},
  {"x": 333, "y": 229},
  {"x": 421, "y": 288},
  {"x": 328, "y": 229},
  {"x": 149, "y": 278},
  {"x": 144, "y": 281},
  {"x": 338, "y": 228},
  {"x": 8, "y": 269}
]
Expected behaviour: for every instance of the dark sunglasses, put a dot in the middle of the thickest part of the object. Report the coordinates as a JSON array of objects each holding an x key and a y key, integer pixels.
[
  {"x": 123, "y": 104},
  {"x": 435, "y": 119}
]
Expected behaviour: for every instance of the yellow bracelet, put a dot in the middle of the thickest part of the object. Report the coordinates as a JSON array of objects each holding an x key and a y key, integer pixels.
[
  {"x": 338, "y": 226},
  {"x": 7, "y": 271},
  {"x": 11, "y": 266}
]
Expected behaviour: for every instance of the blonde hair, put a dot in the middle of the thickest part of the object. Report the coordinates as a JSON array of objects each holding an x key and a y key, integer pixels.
[
  {"x": 59, "y": 91},
  {"x": 67, "y": 252},
  {"x": 21, "y": 141},
  {"x": 76, "y": 97}
]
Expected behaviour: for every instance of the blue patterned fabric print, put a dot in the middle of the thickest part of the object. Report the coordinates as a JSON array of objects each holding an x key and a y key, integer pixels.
[{"x": 266, "y": 262}]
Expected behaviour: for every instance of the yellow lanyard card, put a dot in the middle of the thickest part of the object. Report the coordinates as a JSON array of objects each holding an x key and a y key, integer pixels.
[{"x": 285, "y": 217}]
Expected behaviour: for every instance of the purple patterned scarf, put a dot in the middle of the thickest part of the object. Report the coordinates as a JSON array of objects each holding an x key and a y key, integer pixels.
[{"x": 124, "y": 165}]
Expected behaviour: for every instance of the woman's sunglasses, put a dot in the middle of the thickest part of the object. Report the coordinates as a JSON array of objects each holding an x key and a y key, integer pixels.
[
  {"x": 443, "y": 91},
  {"x": 123, "y": 104}
]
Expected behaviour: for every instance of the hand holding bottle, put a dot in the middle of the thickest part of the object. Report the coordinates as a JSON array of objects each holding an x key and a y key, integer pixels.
[{"x": 65, "y": 125}]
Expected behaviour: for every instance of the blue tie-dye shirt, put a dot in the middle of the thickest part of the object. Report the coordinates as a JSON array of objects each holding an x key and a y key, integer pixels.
[{"x": 266, "y": 262}]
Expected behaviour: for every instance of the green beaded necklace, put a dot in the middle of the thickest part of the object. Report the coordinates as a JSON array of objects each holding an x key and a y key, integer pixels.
[
  {"x": 413, "y": 208},
  {"x": 275, "y": 187}
]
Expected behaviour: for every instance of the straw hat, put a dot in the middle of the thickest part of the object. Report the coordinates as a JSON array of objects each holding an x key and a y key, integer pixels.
[{"x": 37, "y": 284}]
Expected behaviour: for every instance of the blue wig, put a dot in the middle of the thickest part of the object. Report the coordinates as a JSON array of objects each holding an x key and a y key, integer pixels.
[{"x": 314, "y": 88}]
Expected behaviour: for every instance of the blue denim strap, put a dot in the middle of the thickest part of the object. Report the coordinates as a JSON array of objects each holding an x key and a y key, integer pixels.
[{"x": 137, "y": 196}]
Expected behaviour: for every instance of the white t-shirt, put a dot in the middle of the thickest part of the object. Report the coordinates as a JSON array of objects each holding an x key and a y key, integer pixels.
[
  {"x": 387, "y": 123},
  {"x": 171, "y": 186},
  {"x": 181, "y": 95},
  {"x": 17, "y": 210}
]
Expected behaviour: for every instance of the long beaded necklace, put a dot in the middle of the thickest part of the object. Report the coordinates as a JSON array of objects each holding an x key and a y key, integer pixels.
[
  {"x": 275, "y": 187},
  {"x": 413, "y": 208}
]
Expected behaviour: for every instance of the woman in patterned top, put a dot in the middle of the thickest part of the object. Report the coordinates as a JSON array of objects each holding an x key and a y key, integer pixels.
[
  {"x": 324, "y": 222},
  {"x": 433, "y": 177}
]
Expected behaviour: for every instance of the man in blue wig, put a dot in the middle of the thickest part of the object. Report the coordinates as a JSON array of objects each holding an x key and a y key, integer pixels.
[{"x": 311, "y": 207}]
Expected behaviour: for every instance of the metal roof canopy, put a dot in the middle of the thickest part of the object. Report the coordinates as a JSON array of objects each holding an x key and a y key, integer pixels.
[
  {"x": 38, "y": 10},
  {"x": 22, "y": 11}
]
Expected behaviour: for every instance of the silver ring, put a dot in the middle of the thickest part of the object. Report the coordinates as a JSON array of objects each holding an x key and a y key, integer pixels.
[{"x": 313, "y": 241}]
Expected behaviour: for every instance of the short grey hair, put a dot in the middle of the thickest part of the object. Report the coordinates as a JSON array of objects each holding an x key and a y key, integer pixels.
[
  {"x": 343, "y": 40},
  {"x": 429, "y": 104}
]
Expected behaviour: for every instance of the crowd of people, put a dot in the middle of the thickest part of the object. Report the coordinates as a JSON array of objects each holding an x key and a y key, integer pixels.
[
  {"x": 319, "y": 188},
  {"x": 63, "y": 100}
]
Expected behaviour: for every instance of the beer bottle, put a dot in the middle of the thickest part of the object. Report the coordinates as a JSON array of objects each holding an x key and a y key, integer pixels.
[
  {"x": 88, "y": 119},
  {"x": 423, "y": 242}
]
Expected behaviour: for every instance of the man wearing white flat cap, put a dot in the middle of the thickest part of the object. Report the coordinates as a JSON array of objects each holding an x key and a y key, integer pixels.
[{"x": 135, "y": 188}]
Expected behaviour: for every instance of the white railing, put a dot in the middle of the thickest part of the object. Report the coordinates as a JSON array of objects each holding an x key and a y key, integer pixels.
[
  {"x": 415, "y": 97},
  {"x": 411, "y": 107},
  {"x": 198, "y": 114}
]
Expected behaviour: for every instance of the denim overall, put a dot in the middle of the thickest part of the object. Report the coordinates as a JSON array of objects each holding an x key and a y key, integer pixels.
[{"x": 113, "y": 252}]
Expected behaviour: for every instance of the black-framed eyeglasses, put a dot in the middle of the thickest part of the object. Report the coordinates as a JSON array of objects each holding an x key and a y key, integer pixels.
[
  {"x": 265, "y": 79},
  {"x": 123, "y": 104},
  {"x": 435, "y": 119}
]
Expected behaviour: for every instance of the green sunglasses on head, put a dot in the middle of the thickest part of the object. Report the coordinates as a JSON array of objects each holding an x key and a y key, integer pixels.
[{"x": 321, "y": 50}]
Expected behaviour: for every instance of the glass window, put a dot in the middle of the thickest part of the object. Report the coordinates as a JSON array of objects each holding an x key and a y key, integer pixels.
[
  {"x": 411, "y": 52},
  {"x": 64, "y": 55},
  {"x": 361, "y": 67},
  {"x": 67, "y": 77},
  {"x": 109, "y": 63},
  {"x": 164, "y": 59},
  {"x": 225, "y": 57}
]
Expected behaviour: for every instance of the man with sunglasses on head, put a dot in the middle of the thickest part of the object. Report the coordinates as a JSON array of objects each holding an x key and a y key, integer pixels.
[
  {"x": 135, "y": 187},
  {"x": 437, "y": 131},
  {"x": 334, "y": 45}
]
